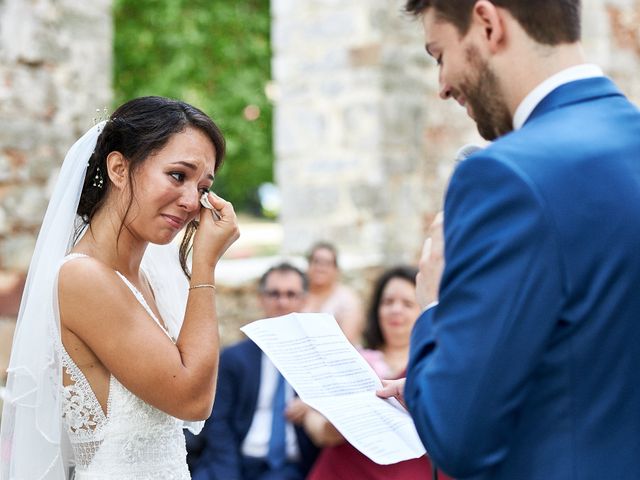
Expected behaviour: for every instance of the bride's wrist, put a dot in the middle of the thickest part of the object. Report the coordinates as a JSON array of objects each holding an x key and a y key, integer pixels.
[{"x": 202, "y": 275}]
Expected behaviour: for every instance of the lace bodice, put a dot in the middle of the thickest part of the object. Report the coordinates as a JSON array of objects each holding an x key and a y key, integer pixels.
[{"x": 133, "y": 440}]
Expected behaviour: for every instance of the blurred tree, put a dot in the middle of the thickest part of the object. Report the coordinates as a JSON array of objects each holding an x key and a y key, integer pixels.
[{"x": 214, "y": 54}]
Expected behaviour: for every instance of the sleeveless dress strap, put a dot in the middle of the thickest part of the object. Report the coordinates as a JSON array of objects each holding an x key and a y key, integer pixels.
[
  {"x": 143, "y": 302},
  {"x": 71, "y": 256}
]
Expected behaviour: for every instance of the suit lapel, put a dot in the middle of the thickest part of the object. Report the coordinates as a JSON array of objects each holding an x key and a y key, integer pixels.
[{"x": 254, "y": 373}]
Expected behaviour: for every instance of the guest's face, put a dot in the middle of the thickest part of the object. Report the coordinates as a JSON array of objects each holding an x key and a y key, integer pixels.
[
  {"x": 466, "y": 75},
  {"x": 283, "y": 293},
  {"x": 322, "y": 268},
  {"x": 398, "y": 311},
  {"x": 168, "y": 185}
]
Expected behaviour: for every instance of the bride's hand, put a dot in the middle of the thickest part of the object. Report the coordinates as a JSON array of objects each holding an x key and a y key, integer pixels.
[{"x": 217, "y": 231}]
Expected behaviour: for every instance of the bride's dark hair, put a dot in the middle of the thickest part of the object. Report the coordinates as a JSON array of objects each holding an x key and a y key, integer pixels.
[{"x": 137, "y": 129}]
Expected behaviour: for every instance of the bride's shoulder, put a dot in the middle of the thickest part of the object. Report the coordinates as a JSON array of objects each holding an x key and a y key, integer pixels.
[
  {"x": 89, "y": 294},
  {"x": 85, "y": 277},
  {"x": 77, "y": 267}
]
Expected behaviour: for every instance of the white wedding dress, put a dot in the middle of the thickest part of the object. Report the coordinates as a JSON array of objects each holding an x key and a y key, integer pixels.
[{"x": 133, "y": 440}]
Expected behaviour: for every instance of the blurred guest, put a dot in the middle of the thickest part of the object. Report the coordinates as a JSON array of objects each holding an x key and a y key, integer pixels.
[
  {"x": 247, "y": 436},
  {"x": 328, "y": 295},
  {"x": 391, "y": 316}
]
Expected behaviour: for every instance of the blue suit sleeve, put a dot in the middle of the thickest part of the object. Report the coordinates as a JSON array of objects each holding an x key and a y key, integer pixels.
[
  {"x": 221, "y": 455},
  {"x": 473, "y": 355}
]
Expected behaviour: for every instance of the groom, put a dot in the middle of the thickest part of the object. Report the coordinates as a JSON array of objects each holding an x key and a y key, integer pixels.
[{"x": 529, "y": 365}]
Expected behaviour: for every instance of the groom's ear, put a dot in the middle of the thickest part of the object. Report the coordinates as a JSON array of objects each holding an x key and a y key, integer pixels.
[{"x": 118, "y": 169}]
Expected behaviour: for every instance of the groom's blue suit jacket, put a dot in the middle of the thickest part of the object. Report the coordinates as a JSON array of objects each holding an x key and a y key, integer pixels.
[{"x": 529, "y": 367}]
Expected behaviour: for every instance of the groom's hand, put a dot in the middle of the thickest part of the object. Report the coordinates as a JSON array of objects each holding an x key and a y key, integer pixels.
[
  {"x": 431, "y": 264},
  {"x": 393, "y": 388}
]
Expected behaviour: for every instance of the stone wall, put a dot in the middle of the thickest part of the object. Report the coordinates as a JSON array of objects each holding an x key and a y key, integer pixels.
[
  {"x": 364, "y": 147},
  {"x": 55, "y": 71},
  {"x": 361, "y": 161}
]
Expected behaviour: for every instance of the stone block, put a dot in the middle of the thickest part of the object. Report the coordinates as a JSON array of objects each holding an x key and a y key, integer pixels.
[
  {"x": 236, "y": 307},
  {"x": 7, "y": 327},
  {"x": 372, "y": 198},
  {"x": 346, "y": 233},
  {"x": 286, "y": 35},
  {"x": 4, "y": 222},
  {"x": 34, "y": 91},
  {"x": 315, "y": 200},
  {"x": 401, "y": 164},
  {"x": 11, "y": 288},
  {"x": 334, "y": 87},
  {"x": 22, "y": 132},
  {"x": 25, "y": 205},
  {"x": 6, "y": 168},
  {"x": 362, "y": 130},
  {"x": 19, "y": 29},
  {"x": 365, "y": 55},
  {"x": 284, "y": 8},
  {"x": 334, "y": 26},
  {"x": 329, "y": 167},
  {"x": 16, "y": 251},
  {"x": 43, "y": 160},
  {"x": 298, "y": 128}
]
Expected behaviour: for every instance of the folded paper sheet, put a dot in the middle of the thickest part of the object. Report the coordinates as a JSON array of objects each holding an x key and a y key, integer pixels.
[{"x": 329, "y": 374}]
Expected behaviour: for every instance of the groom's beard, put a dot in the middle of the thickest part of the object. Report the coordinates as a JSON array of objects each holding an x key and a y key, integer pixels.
[{"x": 485, "y": 98}]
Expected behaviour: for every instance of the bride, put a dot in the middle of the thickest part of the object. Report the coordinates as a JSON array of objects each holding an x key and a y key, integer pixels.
[{"x": 113, "y": 355}]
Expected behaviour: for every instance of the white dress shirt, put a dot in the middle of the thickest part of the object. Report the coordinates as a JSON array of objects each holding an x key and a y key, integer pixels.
[
  {"x": 535, "y": 96},
  {"x": 256, "y": 443}
]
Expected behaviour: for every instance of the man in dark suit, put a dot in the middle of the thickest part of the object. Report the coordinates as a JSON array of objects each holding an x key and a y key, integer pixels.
[
  {"x": 238, "y": 441},
  {"x": 527, "y": 367}
]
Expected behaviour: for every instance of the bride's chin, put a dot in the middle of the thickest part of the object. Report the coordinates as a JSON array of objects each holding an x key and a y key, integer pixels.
[{"x": 164, "y": 238}]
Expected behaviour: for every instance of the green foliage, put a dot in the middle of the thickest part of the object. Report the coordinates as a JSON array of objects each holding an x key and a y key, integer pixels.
[{"x": 214, "y": 54}]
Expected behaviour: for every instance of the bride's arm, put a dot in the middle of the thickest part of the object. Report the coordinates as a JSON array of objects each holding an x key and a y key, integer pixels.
[{"x": 99, "y": 308}]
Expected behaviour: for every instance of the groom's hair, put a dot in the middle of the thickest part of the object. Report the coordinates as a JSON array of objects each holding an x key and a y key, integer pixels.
[{"x": 549, "y": 22}]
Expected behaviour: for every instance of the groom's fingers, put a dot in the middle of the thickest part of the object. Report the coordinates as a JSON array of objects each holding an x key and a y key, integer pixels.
[
  {"x": 393, "y": 388},
  {"x": 431, "y": 264}
]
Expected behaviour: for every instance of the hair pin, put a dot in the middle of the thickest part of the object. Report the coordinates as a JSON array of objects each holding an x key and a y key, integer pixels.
[
  {"x": 101, "y": 116},
  {"x": 98, "y": 179}
]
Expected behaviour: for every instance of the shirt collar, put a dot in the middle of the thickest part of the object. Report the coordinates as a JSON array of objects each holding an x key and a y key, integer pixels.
[{"x": 535, "y": 96}]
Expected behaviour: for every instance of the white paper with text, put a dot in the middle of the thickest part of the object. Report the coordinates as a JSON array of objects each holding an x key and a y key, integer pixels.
[{"x": 329, "y": 374}]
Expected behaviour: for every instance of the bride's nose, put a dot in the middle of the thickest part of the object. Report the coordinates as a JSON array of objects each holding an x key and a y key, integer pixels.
[{"x": 190, "y": 200}]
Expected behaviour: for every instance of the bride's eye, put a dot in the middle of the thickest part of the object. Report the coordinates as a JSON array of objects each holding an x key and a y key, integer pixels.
[{"x": 177, "y": 176}]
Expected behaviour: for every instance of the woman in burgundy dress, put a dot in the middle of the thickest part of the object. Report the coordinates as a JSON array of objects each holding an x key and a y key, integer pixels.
[{"x": 391, "y": 316}]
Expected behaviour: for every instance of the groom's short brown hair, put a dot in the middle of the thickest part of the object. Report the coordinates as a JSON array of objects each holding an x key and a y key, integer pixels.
[{"x": 549, "y": 22}]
